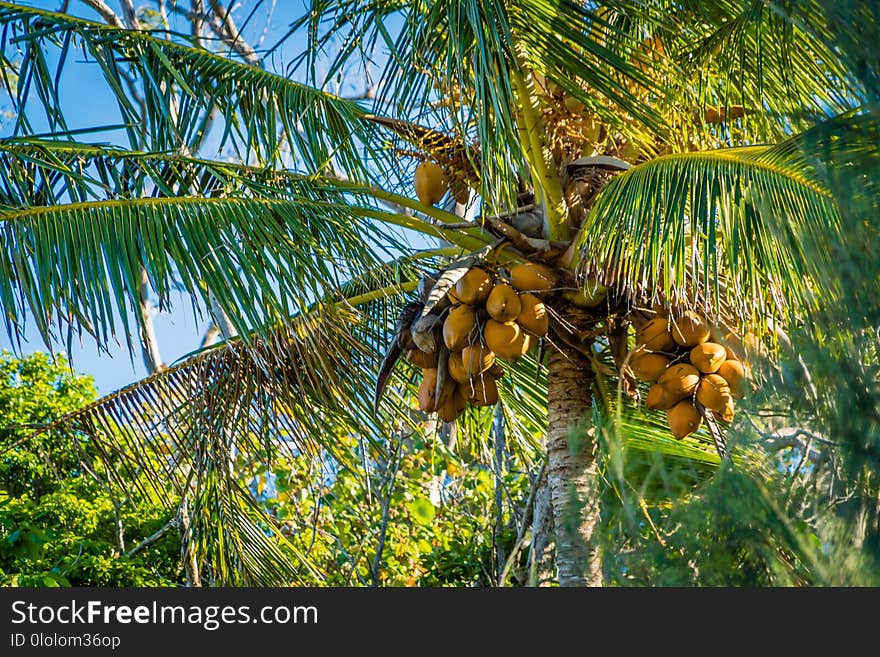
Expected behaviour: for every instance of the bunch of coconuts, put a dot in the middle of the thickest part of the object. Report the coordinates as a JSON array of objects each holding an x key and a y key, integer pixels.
[
  {"x": 490, "y": 317},
  {"x": 691, "y": 367}
]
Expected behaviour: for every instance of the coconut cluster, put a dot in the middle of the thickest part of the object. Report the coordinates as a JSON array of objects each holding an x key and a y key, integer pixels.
[
  {"x": 689, "y": 365},
  {"x": 491, "y": 317}
]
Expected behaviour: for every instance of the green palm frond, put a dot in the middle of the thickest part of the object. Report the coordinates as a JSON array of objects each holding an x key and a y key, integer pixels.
[
  {"x": 696, "y": 227},
  {"x": 265, "y": 242},
  {"x": 777, "y": 57},
  {"x": 261, "y": 112},
  {"x": 474, "y": 48}
]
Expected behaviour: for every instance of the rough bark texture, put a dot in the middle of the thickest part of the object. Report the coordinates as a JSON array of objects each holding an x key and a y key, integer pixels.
[{"x": 571, "y": 472}]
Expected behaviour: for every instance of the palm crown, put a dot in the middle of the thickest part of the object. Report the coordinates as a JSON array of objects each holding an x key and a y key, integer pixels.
[{"x": 658, "y": 144}]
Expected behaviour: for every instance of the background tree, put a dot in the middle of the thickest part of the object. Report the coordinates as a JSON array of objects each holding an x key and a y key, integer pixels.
[
  {"x": 60, "y": 525},
  {"x": 675, "y": 96}
]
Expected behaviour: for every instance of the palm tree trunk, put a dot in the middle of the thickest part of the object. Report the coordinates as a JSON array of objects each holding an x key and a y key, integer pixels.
[{"x": 571, "y": 471}]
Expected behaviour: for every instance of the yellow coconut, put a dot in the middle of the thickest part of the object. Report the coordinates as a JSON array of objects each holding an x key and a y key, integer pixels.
[
  {"x": 428, "y": 390},
  {"x": 460, "y": 395},
  {"x": 495, "y": 371},
  {"x": 736, "y": 375},
  {"x": 658, "y": 399},
  {"x": 655, "y": 335},
  {"x": 530, "y": 276},
  {"x": 753, "y": 347},
  {"x": 689, "y": 329},
  {"x": 713, "y": 393},
  {"x": 680, "y": 380},
  {"x": 430, "y": 183},
  {"x": 477, "y": 358},
  {"x": 455, "y": 367},
  {"x": 684, "y": 419},
  {"x": 647, "y": 366},
  {"x": 459, "y": 327},
  {"x": 448, "y": 410},
  {"x": 508, "y": 341},
  {"x": 533, "y": 315},
  {"x": 483, "y": 391},
  {"x": 707, "y": 357},
  {"x": 421, "y": 359},
  {"x": 503, "y": 304},
  {"x": 474, "y": 287},
  {"x": 727, "y": 413},
  {"x": 731, "y": 342}
]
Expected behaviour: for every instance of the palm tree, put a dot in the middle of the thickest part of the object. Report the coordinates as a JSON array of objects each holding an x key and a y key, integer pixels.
[{"x": 651, "y": 149}]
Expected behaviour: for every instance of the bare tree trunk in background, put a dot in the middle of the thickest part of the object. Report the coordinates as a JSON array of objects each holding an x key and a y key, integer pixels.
[
  {"x": 541, "y": 548},
  {"x": 149, "y": 343},
  {"x": 190, "y": 564},
  {"x": 571, "y": 471},
  {"x": 221, "y": 319},
  {"x": 211, "y": 336},
  {"x": 499, "y": 440},
  {"x": 226, "y": 29}
]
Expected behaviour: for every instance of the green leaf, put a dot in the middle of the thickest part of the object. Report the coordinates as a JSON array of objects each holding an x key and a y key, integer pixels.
[{"x": 422, "y": 511}]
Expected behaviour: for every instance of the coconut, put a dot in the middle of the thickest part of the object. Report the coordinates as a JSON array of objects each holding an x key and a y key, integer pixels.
[
  {"x": 503, "y": 304},
  {"x": 474, "y": 287},
  {"x": 731, "y": 342},
  {"x": 508, "y": 341},
  {"x": 459, "y": 327},
  {"x": 455, "y": 367},
  {"x": 530, "y": 276},
  {"x": 689, "y": 329},
  {"x": 533, "y": 315},
  {"x": 448, "y": 411},
  {"x": 727, "y": 413},
  {"x": 736, "y": 375},
  {"x": 421, "y": 359},
  {"x": 753, "y": 347},
  {"x": 647, "y": 366},
  {"x": 460, "y": 396},
  {"x": 428, "y": 391},
  {"x": 680, "y": 381},
  {"x": 658, "y": 398},
  {"x": 707, "y": 357},
  {"x": 713, "y": 393},
  {"x": 495, "y": 371},
  {"x": 483, "y": 391},
  {"x": 477, "y": 358},
  {"x": 684, "y": 419},
  {"x": 655, "y": 336},
  {"x": 430, "y": 183}
]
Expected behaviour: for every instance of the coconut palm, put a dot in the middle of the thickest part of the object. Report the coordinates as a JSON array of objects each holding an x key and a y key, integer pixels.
[{"x": 648, "y": 154}]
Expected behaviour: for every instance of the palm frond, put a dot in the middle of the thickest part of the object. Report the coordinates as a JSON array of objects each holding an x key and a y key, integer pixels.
[
  {"x": 262, "y": 113},
  {"x": 779, "y": 57},
  {"x": 463, "y": 54},
  {"x": 695, "y": 227},
  {"x": 78, "y": 221}
]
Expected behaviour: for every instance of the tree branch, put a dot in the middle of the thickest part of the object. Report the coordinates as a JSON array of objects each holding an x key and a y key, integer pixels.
[
  {"x": 106, "y": 13},
  {"x": 152, "y": 538},
  {"x": 224, "y": 26}
]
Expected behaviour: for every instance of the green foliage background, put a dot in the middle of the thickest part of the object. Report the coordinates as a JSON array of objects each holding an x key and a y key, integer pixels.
[{"x": 57, "y": 523}]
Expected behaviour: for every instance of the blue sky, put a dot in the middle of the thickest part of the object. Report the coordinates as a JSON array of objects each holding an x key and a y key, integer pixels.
[{"x": 87, "y": 103}]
